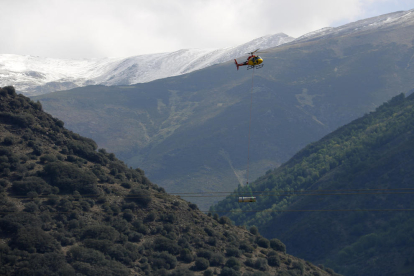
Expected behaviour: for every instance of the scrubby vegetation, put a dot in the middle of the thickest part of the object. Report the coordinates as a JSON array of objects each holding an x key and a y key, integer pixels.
[
  {"x": 365, "y": 165},
  {"x": 67, "y": 208}
]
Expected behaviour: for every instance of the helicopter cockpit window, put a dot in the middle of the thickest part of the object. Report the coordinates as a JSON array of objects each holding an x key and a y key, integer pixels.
[{"x": 259, "y": 57}]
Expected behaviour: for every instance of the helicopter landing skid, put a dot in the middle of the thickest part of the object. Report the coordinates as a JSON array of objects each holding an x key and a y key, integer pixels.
[{"x": 254, "y": 66}]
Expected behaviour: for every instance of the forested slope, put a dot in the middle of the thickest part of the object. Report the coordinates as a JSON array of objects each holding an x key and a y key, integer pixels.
[
  {"x": 365, "y": 165},
  {"x": 67, "y": 209}
]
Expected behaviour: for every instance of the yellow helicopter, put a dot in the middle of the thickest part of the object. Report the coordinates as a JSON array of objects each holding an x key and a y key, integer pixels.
[{"x": 252, "y": 61}]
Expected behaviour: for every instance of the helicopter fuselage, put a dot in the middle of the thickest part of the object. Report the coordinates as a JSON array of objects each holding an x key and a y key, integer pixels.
[{"x": 252, "y": 61}]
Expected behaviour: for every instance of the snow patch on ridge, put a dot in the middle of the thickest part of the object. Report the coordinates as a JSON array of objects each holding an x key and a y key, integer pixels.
[
  {"x": 37, "y": 75},
  {"x": 382, "y": 21}
]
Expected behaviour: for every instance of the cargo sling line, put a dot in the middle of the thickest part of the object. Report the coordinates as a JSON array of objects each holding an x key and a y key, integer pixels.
[{"x": 250, "y": 127}]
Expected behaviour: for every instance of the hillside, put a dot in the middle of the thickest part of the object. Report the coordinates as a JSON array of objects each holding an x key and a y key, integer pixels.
[
  {"x": 365, "y": 165},
  {"x": 189, "y": 133},
  {"x": 67, "y": 209},
  {"x": 33, "y": 75}
]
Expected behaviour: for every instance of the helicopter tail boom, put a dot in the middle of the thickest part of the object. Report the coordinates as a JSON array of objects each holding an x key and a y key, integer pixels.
[{"x": 235, "y": 61}]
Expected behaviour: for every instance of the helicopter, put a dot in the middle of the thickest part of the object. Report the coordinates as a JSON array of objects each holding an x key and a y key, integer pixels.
[{"x": 252, "y": 61}]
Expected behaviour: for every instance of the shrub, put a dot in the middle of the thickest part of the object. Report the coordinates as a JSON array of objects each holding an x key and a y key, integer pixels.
[
  {"x": 249, "y": 262},
  {"x": 31, "y": 207},
  {"x": 277, "y": 245},
  {"x": 86, "y": 255},
  {"x": 106, "y": 268},
  {"x": 90, "y": 155},
  {"x": 164, "y": 244},
  {"x": 261, "y": 264},
  {"x": 182, "y": 272},
  {"x": 206, "y": 254},
  {"x": 299, "y": 266},
  {"x": 134, "y": 236},
  {"x": 35, "y": 238},
  {"x": 126, "y": 185},
  {"x": 163, "y": 260},
  {"x": 232, "y": 252},
  {"x": 127, "y": 215},
  {"x": 120, "y": 224},
  {"x": 168, "y": 227},
  {"x": 59, "y": 123},
  {"x": 246, "y": 247},
  {"x": 183, "y": 242},
  {"x": 86, "y": 205},
  {"x": 48, "y": 158},
  {"x": 201, "y": 264},
  {"x": 130, "y": 205},
  {"x": 139, "y": 196},
  {"x": 150, "y": 217},
  {"x": 273, "y": 261},
  {"x": 10, "y": 90},
  {"x": 45, "y": 264},
  {"x": 140, "y": 227},
  {"x": 186, "y": 255},
  {"x": 4, "y": 183},
  {"x": 37, "y": 105},
  {"x": 209, "y": 231},
  {"x": 101, "y": 245},
  {"x": 69, "y": 178},
  {"x": 217, "y": 259},
  {"x": 225, "y": 220},
  {"x": 193, "y": 206},
  {"x": 227, "y": 271},
  {"x": 8, "y": 141},
  {"x": 233, "y": 263},
  {"x": 263, "y": 242},
  {"x": 115, "y": 208},
  {"x": 125, "y": 254},
  {"x": 22, "y": 120},
  {"x": 100, "y": 232},
  {"x": 208, "y": 272},
  {"x": 254, "y": 230},
  {"x": 31, "y": 184},
  {"x": 212, "y": 241}
]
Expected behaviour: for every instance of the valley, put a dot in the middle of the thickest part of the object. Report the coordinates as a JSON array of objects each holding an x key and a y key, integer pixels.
[{"x": 178, "y": 128}]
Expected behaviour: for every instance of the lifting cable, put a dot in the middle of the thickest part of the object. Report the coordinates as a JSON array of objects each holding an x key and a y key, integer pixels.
[
  {"x": 130, "y": 196},
  {"x": 250, "y": 126},
  {"x": 231, "y": 211},
  {"x": 321, "y": 192}
]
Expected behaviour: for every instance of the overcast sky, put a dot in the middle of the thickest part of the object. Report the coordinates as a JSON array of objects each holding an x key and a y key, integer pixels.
[{"x": 120, "y": 28}]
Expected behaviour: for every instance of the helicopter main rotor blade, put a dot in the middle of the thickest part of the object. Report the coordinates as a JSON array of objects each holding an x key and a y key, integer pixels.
[{"x": 251, "y": 53}]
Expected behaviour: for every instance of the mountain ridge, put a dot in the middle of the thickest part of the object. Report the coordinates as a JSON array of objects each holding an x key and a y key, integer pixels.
[{"x": 35, "y": 75}]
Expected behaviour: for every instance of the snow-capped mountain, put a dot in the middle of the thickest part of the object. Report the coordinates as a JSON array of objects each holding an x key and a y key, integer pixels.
[
  {"x": 401, "y": 18},
  {"x": 33, "y": 75},
  {"x": 38, "y": 75}
]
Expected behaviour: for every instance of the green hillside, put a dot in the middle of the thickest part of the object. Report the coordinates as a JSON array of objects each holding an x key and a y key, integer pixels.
[
  {"x": 365, "y": 165},
  {"x": 67, "y": 209},
  {"x": 189, "y": 133}
]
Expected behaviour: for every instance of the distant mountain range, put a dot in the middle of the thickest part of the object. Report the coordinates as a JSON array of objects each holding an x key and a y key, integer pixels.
[
  {"x": 190, "y": 132},
  {"x": 38, "y": 75}
]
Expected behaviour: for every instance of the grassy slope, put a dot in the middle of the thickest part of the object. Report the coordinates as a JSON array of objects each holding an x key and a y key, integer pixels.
[
  {"x": 66, "y": 209},
  {"x": 373, "y": 152}
]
